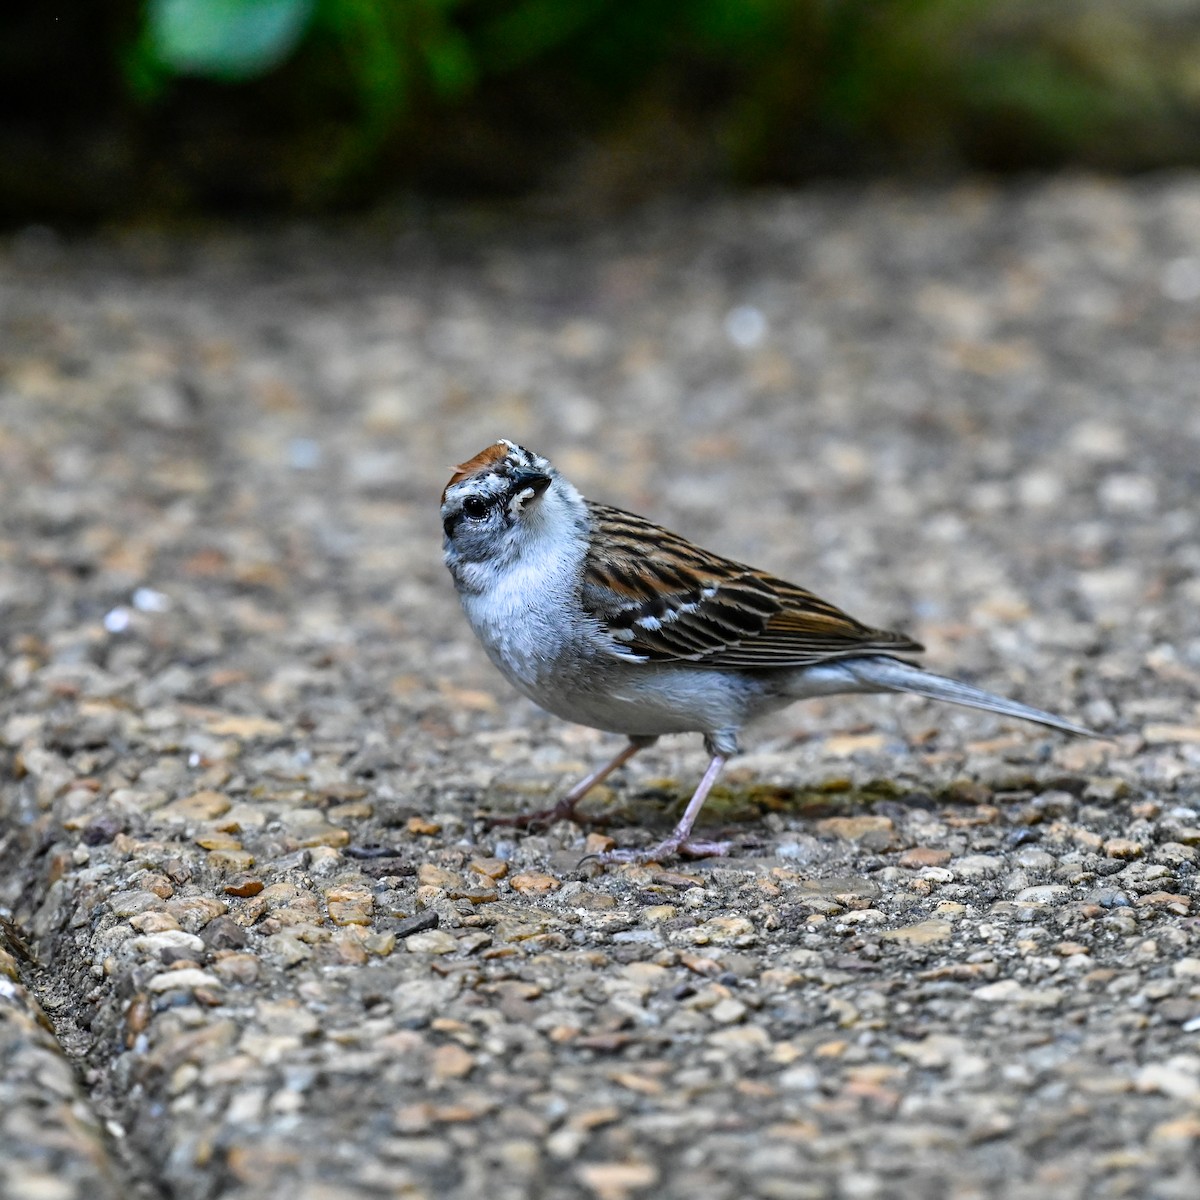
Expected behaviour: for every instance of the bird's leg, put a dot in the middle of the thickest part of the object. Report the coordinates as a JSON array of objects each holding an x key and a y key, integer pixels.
[
  {"x": 680, "y": 840},
  {"x": 565, "y": 808}
]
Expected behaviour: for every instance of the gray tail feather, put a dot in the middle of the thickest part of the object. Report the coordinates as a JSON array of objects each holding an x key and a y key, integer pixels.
[{"x": 892, "y": 675}]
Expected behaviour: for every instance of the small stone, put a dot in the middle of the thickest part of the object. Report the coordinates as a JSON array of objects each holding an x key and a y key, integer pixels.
[
  {"x": 853, "y": 829},
  {"x": 200, "y": 806},
  {"x": 379, "y": 944},
  {"x": 189, "y": 978},
  {"x": 230, "y": 861},
  {"x": 1165, "y": 734},
  {"x": 131, "y": 903},
  {"x": 324, "y": 835},
  {"x": 224, "y": 933},
  {"x": 534, "y": 883},
  {"x": 655, "y": 913},
  {"x": 232, "y": 967},
  {"x": 245, "y": 727},
  {"x": 833, "y": 1049},
  {"x": 598, "y": 843},
  {"x": 741, "y": 1040},
  {"x": 173, "y": 940},
  {"x": 431, "y": 941},
  {"x": 153, "y": 922},
  {"x": 1070, "y": 949},
  {"x": 1108, "y": 788},
  {"x": 1033, "y": 859},
  {"x": 1178, "y": 1078},
  {"x": 923, "y": 856},
  {"x": 286, "y": 1018},
  {"x": 422, "y": 827},
  {"x": 727, "y": 1011},
  {"x": 288, "y": 949},
  {"x": 349, "y": 904},
  {"x": 450, "y": 1062},
  {"x": 1172, "y": 901},
  {"x": 616, "y": 1181},
  {"x": 426, "y": 919},
  {"x": 1173, "y": 853},
  {"x": 1123, "y": 848},
  {"x": 923, "y": 933},
  {"x": 1009, "y": 991},
  {"x": 194, "y": 912},
  {"x": 1046, "y": 893},
  {"x": 430, "y": 875},
  {"x": 645, "y": 1085},
  {"x": 489, "y": 868},
  {"x": 102, "y": 829},
  {"x": 413, "y": 1118},
  {"x": 1181, "y": 1129},
  {"x": 243, "y": 885},
  {"x": 722, "y": 931},
  {"x": 845, "y": 744},
  {"x": 217, "y": 841},
  {"x": 972, "y": 866}
]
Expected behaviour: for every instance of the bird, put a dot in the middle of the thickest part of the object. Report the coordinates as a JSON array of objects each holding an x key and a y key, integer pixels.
[{"x": 603, "y": 618}]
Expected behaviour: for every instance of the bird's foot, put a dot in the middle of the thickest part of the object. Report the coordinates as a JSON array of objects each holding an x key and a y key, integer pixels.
[{"x": 667, "y": 849}]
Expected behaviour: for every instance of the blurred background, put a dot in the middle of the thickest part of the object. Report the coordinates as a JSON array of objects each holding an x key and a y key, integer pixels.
[{"x": 120, "y": 109}]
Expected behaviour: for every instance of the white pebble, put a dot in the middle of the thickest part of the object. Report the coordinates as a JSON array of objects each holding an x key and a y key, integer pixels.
[{"x": 745, "y": 326}]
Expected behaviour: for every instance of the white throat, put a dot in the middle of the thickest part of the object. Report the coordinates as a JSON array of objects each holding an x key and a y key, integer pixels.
[{"x": 519, "y": 601}]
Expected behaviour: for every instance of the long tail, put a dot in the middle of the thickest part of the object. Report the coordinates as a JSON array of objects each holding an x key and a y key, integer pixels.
[{"x": 892, "y": 675}]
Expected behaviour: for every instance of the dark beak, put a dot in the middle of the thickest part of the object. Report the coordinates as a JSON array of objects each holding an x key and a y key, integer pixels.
[{"x": 536, "y": 480}]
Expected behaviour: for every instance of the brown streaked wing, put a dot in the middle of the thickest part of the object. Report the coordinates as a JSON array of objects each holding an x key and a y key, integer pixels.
[{"x": 667, "y": 600}]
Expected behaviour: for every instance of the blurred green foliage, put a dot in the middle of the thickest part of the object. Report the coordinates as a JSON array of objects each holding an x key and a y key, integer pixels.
[{"x": 200, "y": 104}]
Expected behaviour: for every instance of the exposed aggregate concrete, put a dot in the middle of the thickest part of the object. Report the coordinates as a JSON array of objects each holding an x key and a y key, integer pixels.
[{"x": 261, "y": 942}]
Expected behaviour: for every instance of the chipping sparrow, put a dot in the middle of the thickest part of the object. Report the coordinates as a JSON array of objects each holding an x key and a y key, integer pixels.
[{"x": 605, "y": 619}]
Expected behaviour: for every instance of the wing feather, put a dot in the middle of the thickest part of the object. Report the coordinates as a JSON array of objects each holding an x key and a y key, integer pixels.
[{"x": 665, "y": 600}]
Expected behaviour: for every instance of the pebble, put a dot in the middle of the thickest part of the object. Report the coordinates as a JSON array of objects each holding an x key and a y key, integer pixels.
[
  {"x": 533, "y": 883},
  {"x": 1123, "y": 848},
  {"x": 244, "y": 885},
  {"x": 923, "y": 933},
  {"x": 924, "y": 856},
  {"x": 973, "y": 866},
  {"x": 189, "y": 978},
  {"x": 1046, "y": 893},
  {"x": 432, "y": 941},
  {"x": 152, "y": 945},
  {"x": 1009, "y": 991},
  {"x": 855, "y": 828},
  {"x": 1033, "y": 859}
]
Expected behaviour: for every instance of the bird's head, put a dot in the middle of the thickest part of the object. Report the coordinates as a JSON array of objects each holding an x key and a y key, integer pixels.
[{"x": 495, "y": 503}]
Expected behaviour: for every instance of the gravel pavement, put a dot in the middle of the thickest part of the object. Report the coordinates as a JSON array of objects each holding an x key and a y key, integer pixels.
[{"x": 258, "y": 941}]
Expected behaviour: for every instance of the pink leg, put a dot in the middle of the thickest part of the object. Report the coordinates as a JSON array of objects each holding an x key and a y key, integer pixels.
[
  {"x": 679, "y": 841},
  {"x": 565, "y": 808}
]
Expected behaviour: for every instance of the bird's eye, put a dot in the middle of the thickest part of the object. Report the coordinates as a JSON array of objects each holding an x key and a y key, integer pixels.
[{"x": 475, "y": 508}]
